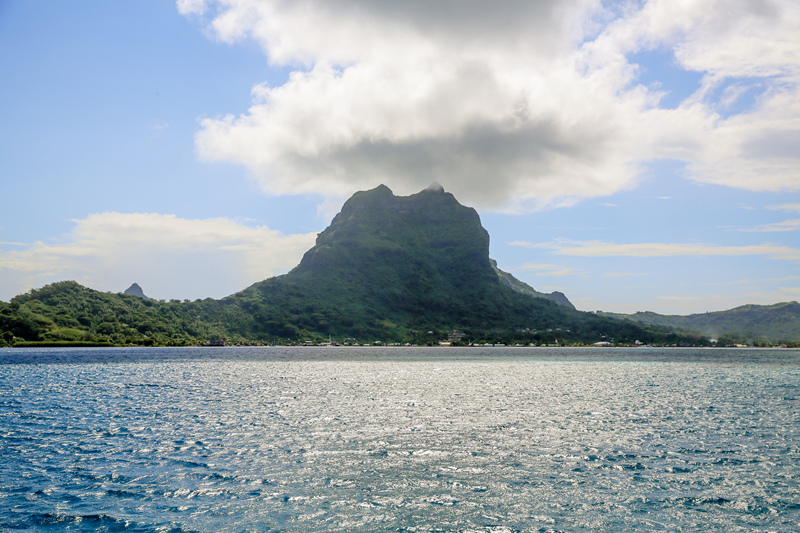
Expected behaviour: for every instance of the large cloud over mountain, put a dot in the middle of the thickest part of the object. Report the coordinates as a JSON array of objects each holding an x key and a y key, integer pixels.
[{"x": 513, "y": 105}]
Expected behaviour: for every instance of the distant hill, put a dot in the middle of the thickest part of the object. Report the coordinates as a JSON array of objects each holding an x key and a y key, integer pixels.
[
  {"x": 401, "y": 269},
  {"x": 522, "y": 287},
  {"x": 748, "y": 323},
  {"x": 136, "y": 290}
]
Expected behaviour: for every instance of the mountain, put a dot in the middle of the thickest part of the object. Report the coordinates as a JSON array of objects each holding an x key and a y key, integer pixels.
[
  {"x": 746, "y": 324},
  {"x": 522, "y": 287},
  {"x": 136, "y": 290},
  {"x": 389, "y": 268}
]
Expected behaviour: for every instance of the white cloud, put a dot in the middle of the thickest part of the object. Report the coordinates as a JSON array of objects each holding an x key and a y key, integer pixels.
[
  {"x": 168, "y": 256},
  {"x": 623, "y": 274},
  {"x": 191, "y": 7},
  {"x": 517, "y": 105},
  {"x": 755, "y": 281},
  {"x": 159, "y": 126},
  {"x": 754, "y": 45},
  {"x": 487, "y": 100},
  {"x": 785, "y": 225},
  {"x": 609, "y": 249},
  {"x": 692, "y": 303},
  {"x": 550, "y": 270},
  {"x": 785, "y": 207}
]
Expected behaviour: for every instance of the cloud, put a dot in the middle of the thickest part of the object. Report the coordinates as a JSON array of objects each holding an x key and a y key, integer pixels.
[
  {"x": 168, "y": 256},
  {"x": 785, "y": 207},
  {"x": 755, "y": 281},
  {"x": 519, "y": 105},
  {"x": 785, "y": 225},
  {"x": 486, "y": 100},
  {"x": 159, "y": 126},
  {"x": 623, "y": 274},
  {"x": 191, "y": 7},
  {"x": 690, "y": 303},
  {"x": 608, "y": 249},
  {"x": 739, "y": 47},
  {"x": 550, "y": 270}
]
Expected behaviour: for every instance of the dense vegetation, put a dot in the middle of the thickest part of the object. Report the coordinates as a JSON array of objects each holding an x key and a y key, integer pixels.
[
  {"x": 748, "y": 324},
  {"x": 67, "y": 313},
  {"x": 394, "y": 268},
  {"x": 388, "y": 269},
  {"x": 519, "y": 286}
]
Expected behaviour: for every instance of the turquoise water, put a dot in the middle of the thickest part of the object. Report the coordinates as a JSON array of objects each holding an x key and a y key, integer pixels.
[{"x": 379, "y": 439}]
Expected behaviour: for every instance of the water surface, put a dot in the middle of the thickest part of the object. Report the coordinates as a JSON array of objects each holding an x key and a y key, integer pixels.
[{"x": 379, "y": 439}]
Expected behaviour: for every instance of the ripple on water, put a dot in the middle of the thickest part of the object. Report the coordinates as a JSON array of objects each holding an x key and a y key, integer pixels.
[{"x": 399, "y": 443}]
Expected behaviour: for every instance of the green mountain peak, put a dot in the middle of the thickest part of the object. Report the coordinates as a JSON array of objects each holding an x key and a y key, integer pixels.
[
  {"x": 392, "y": 268},
  {"x": 388, "y": 265},
  {"x": 376, "y": 226}
]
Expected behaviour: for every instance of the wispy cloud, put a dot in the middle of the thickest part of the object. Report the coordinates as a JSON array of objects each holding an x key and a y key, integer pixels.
[
  {"x": 623, "y": 274},
  {"x": 785, "y": 207},
  {"x": 758, "y": 281},
  {"x": 169, "y": 256},
  {"x": 550, "y": 270},
  {"x": 159, "y": 126},
  {"x": 719, "y": 301},
  {"x": 610, "y": 249},
  {"x": 732, "y": 93},
  {"x": 786, "y": 225}
]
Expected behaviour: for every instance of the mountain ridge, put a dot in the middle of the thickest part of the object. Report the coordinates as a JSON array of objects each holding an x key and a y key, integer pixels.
[
  {"x": 522, "y": 287},
  {"x": 745, "y": 323},
  {"x": 409, "y": 269},
  {"x": 421, "y": 259}
]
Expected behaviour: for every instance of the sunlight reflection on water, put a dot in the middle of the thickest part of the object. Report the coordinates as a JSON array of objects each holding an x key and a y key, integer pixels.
[{"x": 399, "y": 440}]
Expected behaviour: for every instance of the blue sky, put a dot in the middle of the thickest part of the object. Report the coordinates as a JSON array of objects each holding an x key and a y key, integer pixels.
[{"x": 634, "y": 155}]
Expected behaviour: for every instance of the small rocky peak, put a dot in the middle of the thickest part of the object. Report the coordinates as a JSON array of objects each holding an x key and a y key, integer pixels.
[{"x": 136, "y": 290}]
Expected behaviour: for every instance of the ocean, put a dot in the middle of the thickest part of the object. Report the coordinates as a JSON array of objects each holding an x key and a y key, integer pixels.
[{"x": 399, "y": 439}]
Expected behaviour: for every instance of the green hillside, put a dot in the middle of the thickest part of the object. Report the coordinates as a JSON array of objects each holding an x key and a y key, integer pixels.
[
  {"x": 410, "y": 269},
  {"x": 394, "y": 268},
  {"x": 522, "y": 287},
  {"x": 746, "y": 324},
  {"x": 68, "y": 312}
]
